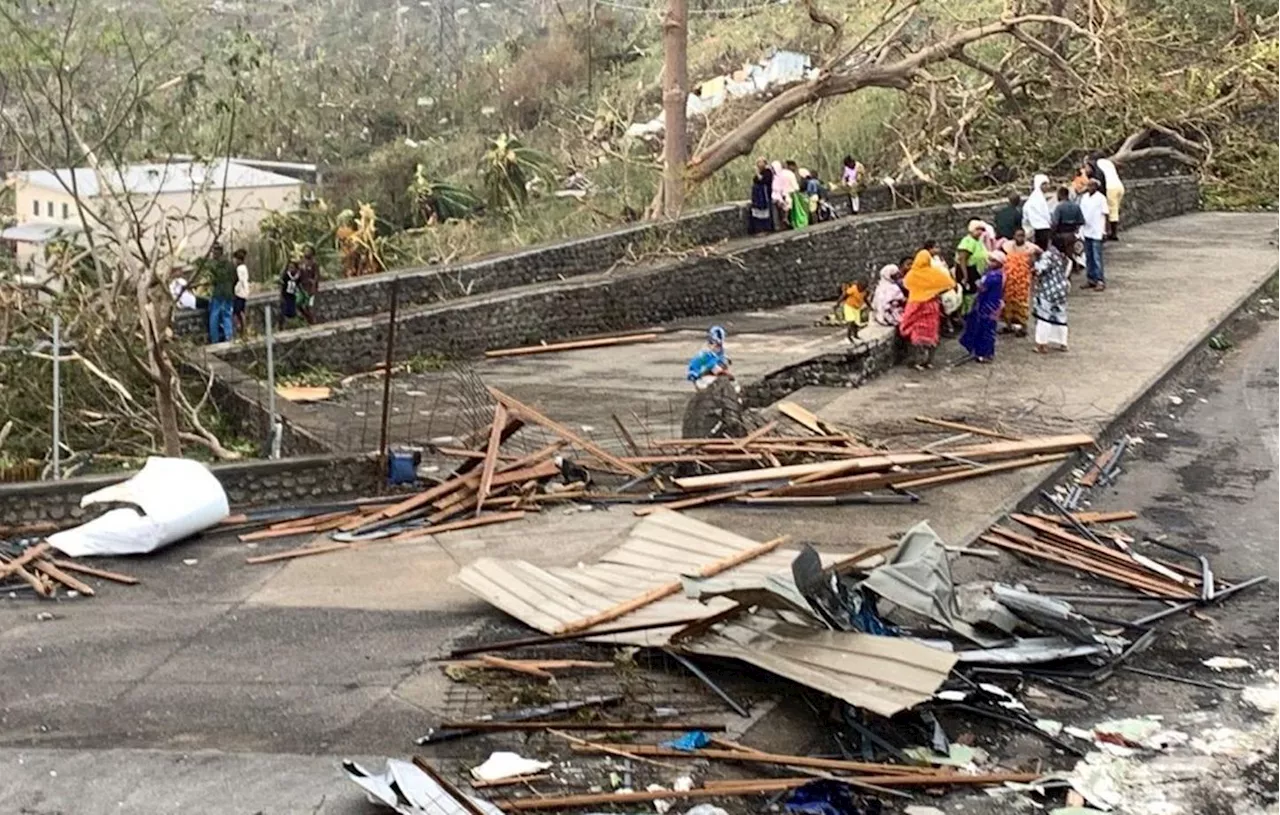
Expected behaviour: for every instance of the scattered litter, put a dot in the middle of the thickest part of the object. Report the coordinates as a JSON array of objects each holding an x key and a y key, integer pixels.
[
  {"x": 44, "y": 616},
  {"x": 1226, "y": 664},
  {"x": 693, "y": 740},
  {"x": 1265, "y": 699},
  {"x": 1175, "y": 400},
  {"x": 411, "y": 791},
  {"x": 1050, "y": 726},
  {"x": 501, "y": 765},
  {"x": 190, "y": 561}
]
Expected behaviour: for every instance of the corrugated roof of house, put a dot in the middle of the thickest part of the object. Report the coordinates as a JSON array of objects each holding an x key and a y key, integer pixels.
[{"x": 152, "y": 179}]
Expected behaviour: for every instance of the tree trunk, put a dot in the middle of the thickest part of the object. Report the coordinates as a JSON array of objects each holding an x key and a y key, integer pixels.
[
  {"x": 675, "y": 95},
  {"x": 164, "y": 378}
]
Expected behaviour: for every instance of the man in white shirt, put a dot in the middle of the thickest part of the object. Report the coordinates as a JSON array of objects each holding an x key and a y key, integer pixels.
[
  {"x": 1115, "y": 194},
  {"x": 238, "y": 301},
  {"x": 1093, "y": 205}
]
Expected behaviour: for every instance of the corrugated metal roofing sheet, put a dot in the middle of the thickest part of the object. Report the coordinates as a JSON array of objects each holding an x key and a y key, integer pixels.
[
  {"x": 660, "y": 549},
  {"x": 884, "y": 675}
]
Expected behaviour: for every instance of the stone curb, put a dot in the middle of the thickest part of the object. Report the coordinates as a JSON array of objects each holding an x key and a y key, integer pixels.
[{"x": 1114, "y": 426}]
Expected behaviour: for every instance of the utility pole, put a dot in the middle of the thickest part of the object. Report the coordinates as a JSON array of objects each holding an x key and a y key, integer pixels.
[
  {"x": 57, "y": 398},
  {"x": 675, "y": 98}
]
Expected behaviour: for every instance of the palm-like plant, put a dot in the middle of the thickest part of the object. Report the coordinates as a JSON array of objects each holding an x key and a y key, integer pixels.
[
  {"x": 508, "y": 168},
  {"x": 440, "y": 200}
]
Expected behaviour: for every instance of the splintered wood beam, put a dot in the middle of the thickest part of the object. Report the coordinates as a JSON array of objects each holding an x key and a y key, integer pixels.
[
  {"x": 659, "y": 592},
  {"x": 572, "y": 345},
  {"x": 965, "y": 428},
  {"x": 518, "y": 408},
  {"x": 490, "y": 456}
]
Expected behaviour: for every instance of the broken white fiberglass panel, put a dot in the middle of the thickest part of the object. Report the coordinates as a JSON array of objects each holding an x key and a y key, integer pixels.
[
  {"x": 167, "y": 500},
  {"x": 410, "y": 791},
  {"x": 884, "y": 675},
  {"x": 659, "y": 550}
]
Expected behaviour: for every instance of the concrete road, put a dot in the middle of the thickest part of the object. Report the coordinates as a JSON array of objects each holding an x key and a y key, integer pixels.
[{"x": 217, "y": 687}]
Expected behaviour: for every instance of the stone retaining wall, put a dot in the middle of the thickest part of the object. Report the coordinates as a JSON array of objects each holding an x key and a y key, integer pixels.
[
  {"x": 767, "y": 272},
  {"x": 304, "y": 480},
  {"x": 340, "y": 299}
]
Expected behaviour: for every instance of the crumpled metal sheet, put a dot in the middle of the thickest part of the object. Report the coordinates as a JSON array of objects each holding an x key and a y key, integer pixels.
[
  {"x": 884, "y": 675},
  {"x": 1053, "y": 615},
  {"x": 409, "y": 791},
  {"x": 918, "y": 578},
  {"x": 1031, "y": 652}
]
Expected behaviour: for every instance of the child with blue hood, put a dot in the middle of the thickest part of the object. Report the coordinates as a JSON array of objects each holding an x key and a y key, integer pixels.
[{"x": 711, "y": 361}]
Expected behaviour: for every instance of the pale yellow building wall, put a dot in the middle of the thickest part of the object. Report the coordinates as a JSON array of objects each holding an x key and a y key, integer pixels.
[{"x": 188, "y": 217}]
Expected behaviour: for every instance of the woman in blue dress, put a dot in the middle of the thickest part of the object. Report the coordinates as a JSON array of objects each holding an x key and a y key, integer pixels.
[{"x": 983, "y": 320}]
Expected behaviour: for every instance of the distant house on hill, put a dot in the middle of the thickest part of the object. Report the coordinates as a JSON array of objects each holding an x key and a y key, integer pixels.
[{"x": 175, "y": 205}]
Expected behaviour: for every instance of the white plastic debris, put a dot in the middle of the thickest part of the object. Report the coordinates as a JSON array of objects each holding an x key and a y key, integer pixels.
[
  {"x": 1226, "y": 664},
  {"x": 1265, "y": 699},
  {"x": 918, "y": 810},
  {"x": 410, "y": 791},
  {"x": 1175, "y": 400},
  {"x": 169, "y": 499},
  {"x": 1050, "y": 726},
  {"x": 705, "y": 809},
  {"x": 662, "y": 805},
  {"x": 502, "y": 765},
  {"x": 682, "y": 784}
]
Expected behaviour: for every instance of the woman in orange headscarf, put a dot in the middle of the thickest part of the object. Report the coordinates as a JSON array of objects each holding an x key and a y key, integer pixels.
[{"x": 922, "y": 319}]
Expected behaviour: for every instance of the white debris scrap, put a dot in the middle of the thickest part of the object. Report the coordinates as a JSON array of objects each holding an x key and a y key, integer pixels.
[
  {"x": 502, "y": 765},
  {"x": 1226, "y": 664},
  {"x": 167, "y": 500}
]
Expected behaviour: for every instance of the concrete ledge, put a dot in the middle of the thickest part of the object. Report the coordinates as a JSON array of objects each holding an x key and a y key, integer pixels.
[
  {"x": 775, "y": 270},
  {"x": 1117, "y": 426},
  {"x": 248, "y": 484}
]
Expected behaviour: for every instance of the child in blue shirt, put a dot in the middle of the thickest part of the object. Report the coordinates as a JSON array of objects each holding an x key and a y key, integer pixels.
[{"x": 710, "y": 361}]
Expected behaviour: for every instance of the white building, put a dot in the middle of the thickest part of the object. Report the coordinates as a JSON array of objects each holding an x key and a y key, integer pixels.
[{"x": 177, "y": 204}]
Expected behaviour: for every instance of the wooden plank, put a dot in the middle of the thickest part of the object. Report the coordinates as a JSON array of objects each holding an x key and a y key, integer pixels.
[
  {"x": 514, "y": 423},
  {"x": 1090, "y": 518},
  {"x": 757, "y": 756},
  {"x": 42, "y": 585},
  {"x": 463, "y": 800},
  {"x": 975, "y": 472},
  {"x": 659, "y": 592},
  {"x": 490, "y": 456},
  {"x": 308, "y": 520},
  {"x": 1144, "y": 580},
  {"x": 681, "y": 458},
  {"x": 796, "y": 471},
  {"x": 966, "y": 428},
  {"x": 754, "y": 787},
  {"x": 269, "y": 534},
  {"x": 627, "y": 438},
  {"x": 483, "y": 520},
  {"x": 63, "y": 578},
  {"x": 693, "y": 501},
  {"x": 571, "y": 345},
  {"x": 116, "y": 577},
  {"x": 303, "y": 393},
  {"x": 802, "y": 416},
  {"x": 845, "y": 485},
  {"x": 515, "y": 667},
  {"x": 524, "y": 411},
  {"x": 826, "y": 438},
  {"x": 544, "y": 664},
  {"x": 491, "y": 725},
  {"x": 23, "y": 559},
  {"x": 762, "y": 430},
  {"x": 504, "y": 477},
  {"x": 304, "y": 551},
  {"x": 1091, "y": 475}
]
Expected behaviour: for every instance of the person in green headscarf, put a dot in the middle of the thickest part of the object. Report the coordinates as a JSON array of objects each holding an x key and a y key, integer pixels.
[{"x": 798, "y": 215}]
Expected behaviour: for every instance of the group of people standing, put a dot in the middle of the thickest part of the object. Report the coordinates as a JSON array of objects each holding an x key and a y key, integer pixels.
[
  {"x": 1012, "y": 271},
  {"x": 787, "y": 196},
  {"x": 228, "y": 288}
]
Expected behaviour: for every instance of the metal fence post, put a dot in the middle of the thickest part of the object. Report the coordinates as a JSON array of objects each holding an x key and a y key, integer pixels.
[
  {"x": 57, "y": 398},
  {"x": 275, "y": 431}
]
